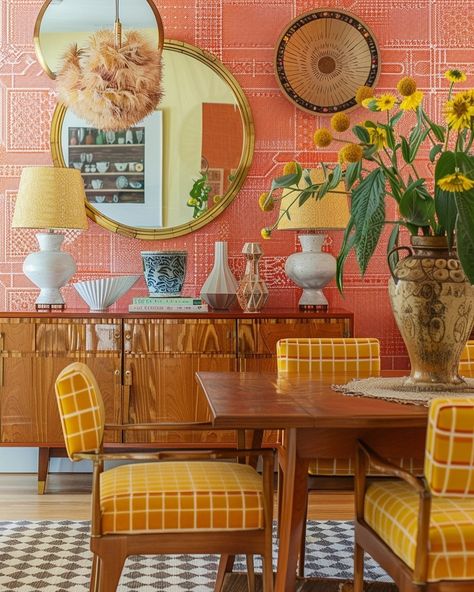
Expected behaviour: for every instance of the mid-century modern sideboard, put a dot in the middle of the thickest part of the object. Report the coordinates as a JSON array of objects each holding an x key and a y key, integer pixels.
[{"x": 145, "y": 366}]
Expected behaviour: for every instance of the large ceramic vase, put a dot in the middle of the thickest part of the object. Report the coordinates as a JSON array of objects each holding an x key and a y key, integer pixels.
[
  {"x": 433, "y": 304},
  {"x": 219, "y": 289},
  {"x": 164, "y": 272}
]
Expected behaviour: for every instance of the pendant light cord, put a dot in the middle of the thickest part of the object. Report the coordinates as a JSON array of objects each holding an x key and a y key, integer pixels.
[{"x": 118, "y": 26}]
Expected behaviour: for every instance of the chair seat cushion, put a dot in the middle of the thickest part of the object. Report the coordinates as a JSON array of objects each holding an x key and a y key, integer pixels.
[
  {"x": 177, "y": 496},
  {"x": 391, "y": 509}
]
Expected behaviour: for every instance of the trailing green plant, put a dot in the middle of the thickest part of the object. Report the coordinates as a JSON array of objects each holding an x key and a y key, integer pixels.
[
  {"x": 199, "y": 196},
  {"x": 383, "y": 162}
]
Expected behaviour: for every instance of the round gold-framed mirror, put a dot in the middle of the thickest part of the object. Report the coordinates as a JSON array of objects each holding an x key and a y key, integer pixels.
[
  {"x": 198, "y": 145},
  {"x": 61, "y": 23}
]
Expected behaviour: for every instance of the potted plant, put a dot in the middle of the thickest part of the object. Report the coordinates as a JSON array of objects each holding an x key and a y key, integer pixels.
[{"x": 431, "y": 289}]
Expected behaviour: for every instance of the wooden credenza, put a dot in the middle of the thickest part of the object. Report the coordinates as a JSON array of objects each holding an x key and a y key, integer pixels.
[{"x": 145, "y": 366}]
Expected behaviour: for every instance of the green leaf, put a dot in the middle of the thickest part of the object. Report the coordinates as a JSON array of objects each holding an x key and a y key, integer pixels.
[
  {"x": 369, "y": 123},
  {"x": 369, "y": 152},
  {"x": 437, "y": 130},
  {"x": 304, "y": 196},
  {"x": 368, "y": 211},
  {"x": 335, "y": 177},
  {"x": 361, "y": 133},
  {"x": 288, "y": 180},
  {"x": 307, "y": 176},
  {"x": 353, "y": 171},
  {"x": 346, "y": 247},
  {"x": 417, "y": 137},
  {"x": 392, "y": 243},
  {"x": 416, "y": 205},
  {"x": 396, "y": 118},
  {"x": 437, "y": 148},
  {"x": 446, "y": 211},
  {"x": 465, "y": 248},
  {"x": 405, "y": 149}
]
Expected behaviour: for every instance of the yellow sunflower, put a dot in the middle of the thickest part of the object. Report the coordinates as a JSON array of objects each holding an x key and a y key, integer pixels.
[
  {"x": 455, "y": 75},
  {"x": 411, "y": 102},
  {"x": 386, "y": 102},
  {"x": 322, "y": 137},
  {"x": 458, "y": 112},
  {"x": 457, "y": 182},
  {"x": 378, "y": 137}
]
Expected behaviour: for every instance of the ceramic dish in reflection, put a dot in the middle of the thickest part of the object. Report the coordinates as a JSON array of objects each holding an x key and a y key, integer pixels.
[
  {"x": 135, "y": 184},
  {"x": 121, "y": 182},
  {"x": 121, "y": 166}
]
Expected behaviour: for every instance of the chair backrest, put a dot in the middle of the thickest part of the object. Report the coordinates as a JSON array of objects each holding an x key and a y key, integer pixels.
[
  {"x": 449, "y": 457},
  {"x": 81, "y": 409},
  {"x": 359, "y": 355},
  {"x": 466, "y": 363}
]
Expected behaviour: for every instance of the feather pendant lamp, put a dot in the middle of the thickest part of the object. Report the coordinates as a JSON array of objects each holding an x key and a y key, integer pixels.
[{"x": 115, "y": 81}]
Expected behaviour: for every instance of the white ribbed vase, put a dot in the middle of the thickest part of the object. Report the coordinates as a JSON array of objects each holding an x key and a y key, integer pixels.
[{"x": 220, "y": 288}]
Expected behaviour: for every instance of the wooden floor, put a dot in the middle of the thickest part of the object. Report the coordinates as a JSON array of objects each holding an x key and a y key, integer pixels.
[{"x": 68, "y": 498}]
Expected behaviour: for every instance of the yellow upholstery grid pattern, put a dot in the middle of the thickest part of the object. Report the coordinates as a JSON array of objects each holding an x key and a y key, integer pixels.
[
  {"x": 361, "y": 355},
  {"x": 391, "y": 509},
  {"x": 81, "y": 408},
  {"x": 449, "y": 456},
  {"x": 316, "y": 356},
  {"x": 466, "y": 363},
  {"x": 181, "y": 496}
]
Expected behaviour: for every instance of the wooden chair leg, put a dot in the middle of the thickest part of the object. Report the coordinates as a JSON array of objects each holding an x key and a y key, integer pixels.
[
  {"x": 43, "y": 465},
  {"x": 226, "y": 563},
  {"x": 95, "y": 574},
  {"x": 267, "y": 572},
  {"x": 112, "y": 561},
  {"x": 358, "y": 568},
  {"x": 302, "y": 553},
  {"x": 250, "y": 573},
  {"x": 280, "y": 498}
]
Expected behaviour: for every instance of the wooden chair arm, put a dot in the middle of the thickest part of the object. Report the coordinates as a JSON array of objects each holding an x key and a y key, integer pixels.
[
  {"x": 214, "y": 453},
  {"x": 166, "y": 426},
  {"x": 388, "y": 468}
]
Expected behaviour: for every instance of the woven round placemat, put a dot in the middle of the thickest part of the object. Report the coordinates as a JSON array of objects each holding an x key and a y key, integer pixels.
[{"x": 394, "y": 389}]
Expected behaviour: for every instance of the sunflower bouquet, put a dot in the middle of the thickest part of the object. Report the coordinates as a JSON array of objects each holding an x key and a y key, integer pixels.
[{"x": 382, "y": 162}]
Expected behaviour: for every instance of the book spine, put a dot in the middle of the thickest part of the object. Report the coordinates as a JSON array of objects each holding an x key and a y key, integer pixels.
[
  {"x": 167, "y": 308},
  {"x": 155, "y": 301}
]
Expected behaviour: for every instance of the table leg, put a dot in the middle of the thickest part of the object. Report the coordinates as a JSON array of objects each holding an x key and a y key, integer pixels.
[{"x": 293, "y": 512}]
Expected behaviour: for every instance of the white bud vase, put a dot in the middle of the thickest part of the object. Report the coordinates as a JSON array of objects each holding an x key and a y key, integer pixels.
[{"x": 220, "y": 288}]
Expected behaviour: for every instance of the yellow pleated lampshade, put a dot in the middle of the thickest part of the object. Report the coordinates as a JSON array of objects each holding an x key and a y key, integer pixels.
[
  {"x": 50, "y": 197},
  {"x": 330, "y": 212}
]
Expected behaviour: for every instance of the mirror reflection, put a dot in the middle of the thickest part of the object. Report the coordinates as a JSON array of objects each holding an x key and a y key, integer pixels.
[
  {"x": 61, "y": 23},
  {"x": 179, "y": 167}
]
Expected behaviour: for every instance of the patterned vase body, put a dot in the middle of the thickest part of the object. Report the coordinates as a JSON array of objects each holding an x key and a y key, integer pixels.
[
  {"x": 164, "y": 272},
  {"x": 219, "y": 289},
  {"x": 433, "y": 304},
  {"x": 252, "y": 292}
]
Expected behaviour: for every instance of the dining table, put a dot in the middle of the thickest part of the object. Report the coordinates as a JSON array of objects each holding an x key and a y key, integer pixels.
[{"x": 318, "y": 422}]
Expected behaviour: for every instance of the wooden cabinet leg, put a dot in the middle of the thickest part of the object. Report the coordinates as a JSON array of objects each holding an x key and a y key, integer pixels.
[{"x": 43, "y": 464}]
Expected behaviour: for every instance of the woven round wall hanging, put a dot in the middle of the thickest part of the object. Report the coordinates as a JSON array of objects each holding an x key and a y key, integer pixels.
[{"x": 321, "y": 59}]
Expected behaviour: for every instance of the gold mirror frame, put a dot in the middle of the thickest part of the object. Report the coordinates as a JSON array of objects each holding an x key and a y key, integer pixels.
[
  {"x": 242, "y": 170},
  {"x": 39, "y": 20}
]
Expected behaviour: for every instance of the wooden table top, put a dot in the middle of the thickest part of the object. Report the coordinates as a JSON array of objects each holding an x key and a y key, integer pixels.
[{"x": 267, "y": 401}]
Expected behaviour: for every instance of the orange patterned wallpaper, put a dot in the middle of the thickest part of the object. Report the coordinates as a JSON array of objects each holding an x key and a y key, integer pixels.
[{"x": 420, "y": 38}]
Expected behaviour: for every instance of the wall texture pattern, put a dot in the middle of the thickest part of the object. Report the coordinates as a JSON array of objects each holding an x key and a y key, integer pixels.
[{"x": 421, "y": 38}]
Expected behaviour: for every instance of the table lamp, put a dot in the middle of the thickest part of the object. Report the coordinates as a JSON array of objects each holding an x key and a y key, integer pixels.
[
  {"x": 50, "y": 198},
  {"x": 311, "y": 269}
]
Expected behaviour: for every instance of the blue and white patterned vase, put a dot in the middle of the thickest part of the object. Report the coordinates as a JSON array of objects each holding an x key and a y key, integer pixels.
[{"x": 164, "y": 272}]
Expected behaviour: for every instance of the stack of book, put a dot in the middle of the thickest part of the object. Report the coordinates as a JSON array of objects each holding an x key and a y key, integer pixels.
[{"x": 168, "y": 304}]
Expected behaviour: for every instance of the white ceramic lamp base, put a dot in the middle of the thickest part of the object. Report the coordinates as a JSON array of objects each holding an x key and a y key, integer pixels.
[
  {"x": 49, "y": 269},
  {"x": 311, "y": 269}
]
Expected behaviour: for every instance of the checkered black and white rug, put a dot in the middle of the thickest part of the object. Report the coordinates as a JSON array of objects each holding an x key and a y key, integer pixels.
[{"x": 55, "y": 557}]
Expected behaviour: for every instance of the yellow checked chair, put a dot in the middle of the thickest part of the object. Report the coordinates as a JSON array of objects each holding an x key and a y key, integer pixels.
[
  {"x": 312, "y": 356},
  {"x": 198, "y": 504},
  {"x": 421, "y": 531}
]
